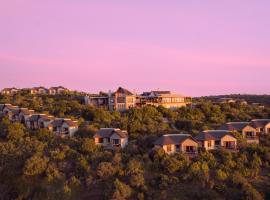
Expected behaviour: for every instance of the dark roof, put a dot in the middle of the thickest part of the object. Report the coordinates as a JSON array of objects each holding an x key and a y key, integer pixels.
[
  {"x": 172, "y": 139},
  {"x": 234, "y": 126},
  {"x": 161, "y": 92},
  {"x": 204, "y": 137},
  {"x": 37, "y": 88},
  {"x": 57, "y": 122},
  {"x": 107, "y": 132},
  {"x": 60, "y": 122},
  {"x": 214, "y": 134},
  {"x": 10, "y": 107},
  {"x": 25, "y": 111},
  {"x": 121, "y": 133},
  {"x": 9, "y": 89},
  {"x": 57, "y": 88},
  {"x": 260, "y": 123},
  {"x": 155, "y": 93},
  {"x": 46, "y": 117},
  {"x": 123, "y": 91},
  {"x": 70, "y": 122}
]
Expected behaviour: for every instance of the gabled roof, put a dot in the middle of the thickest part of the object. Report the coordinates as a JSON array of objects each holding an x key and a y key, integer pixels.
[
  {"x": 60, "y": 121},
  {"x": 234, "y": 126},
  {"x": 172, "y": 139},
  {"x": 212, "y": 134},
  {"x": 259, "y": 123},
  {"x": 57, "y": 88},
  {"x": 204, "y": 137},
  {"x": 25, "y": 111},
  {"x": 10, "y": 107},
  {"x": 108, "y": 132},
  {"x": 69, "y": 122},
  {"x": 46, "y": 117},
  {"x": 9, "y": 89},
  {"x": 123, "y": 91},
  {"x": 37, "y": 88},
  {"x": 121, "y": 133}
]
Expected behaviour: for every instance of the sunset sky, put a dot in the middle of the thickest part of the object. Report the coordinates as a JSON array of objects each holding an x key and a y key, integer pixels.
[{"x": 190, "y": 47}]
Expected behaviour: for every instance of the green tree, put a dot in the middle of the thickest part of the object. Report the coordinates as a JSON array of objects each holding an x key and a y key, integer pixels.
[
  {"x": 121, "y": 190},
  {"x": 105, "y": 170},
  {"x": 35, "y": 165}
]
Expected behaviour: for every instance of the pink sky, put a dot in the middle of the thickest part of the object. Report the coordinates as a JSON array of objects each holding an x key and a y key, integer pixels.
[{"x": 190, "y": 47}]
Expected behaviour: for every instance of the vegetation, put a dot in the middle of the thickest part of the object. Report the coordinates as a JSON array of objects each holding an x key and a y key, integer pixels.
[{"x": 38, "y": 165}]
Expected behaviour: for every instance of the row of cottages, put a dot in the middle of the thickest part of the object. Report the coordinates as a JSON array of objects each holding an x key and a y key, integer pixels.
[
  {"x": 251, "y": 131},
  {"x": 50, "y": 91},
  {"x": 177, "y": 143},
  {"x": 111, "y": 138},
  {"x": 35, "y": 121},
  {"x": 35, "y": 90},
  {"x": 207, "y": 140},
  {"x": 122, "y": 99},
  {"x": 9, "y": 91}
]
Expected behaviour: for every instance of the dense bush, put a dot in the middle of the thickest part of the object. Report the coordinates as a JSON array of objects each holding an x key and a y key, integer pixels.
[{"x": 39, "y": 165}]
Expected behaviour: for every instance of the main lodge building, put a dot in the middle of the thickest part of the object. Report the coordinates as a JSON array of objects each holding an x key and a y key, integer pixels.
[{"x": 122, "y": 99}]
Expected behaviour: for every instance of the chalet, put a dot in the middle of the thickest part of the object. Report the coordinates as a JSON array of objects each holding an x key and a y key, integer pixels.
[
  {"x": 165, "y": 99},
  {"x": 45, "y": 120},
  {"x": 216, "y": 139},
  {"x": 57, "y": 90},
  {"x": 8, "y": 110},
  {"x": 259, "y": 105},
  {"x": 33, "y": 121},
  {"x": 226, "y": 100},
  {"x": 121, "y": 100},
  {"x": 39, "y": 90},
  {"x": 9, "y": 91},
  {"x": 245, "y": 128},
  {"x": 111, "y": 137},
  {"x": 262, "y": 126},
  {"x": 63, "y": 127},
  {"x": 25, "y": 114},
  {"x": 15, "y": 115},
  {"x": 177, "y": 143}
]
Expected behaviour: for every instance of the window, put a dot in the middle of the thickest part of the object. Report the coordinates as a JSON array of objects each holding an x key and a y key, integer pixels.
[
  {"x": 120, "y": 99},
  {"x": 169, "y": 148},
  {"x": 209, "y": 143},
  {"x": 249, "y": 134},
  {"x": 100, "y": 140},
  {"x": 66, "y": 131},
  {"x": 190, "y": 149},
  {"x": 42, "y": 125},
  {"x": 116, "y": 141},
  {"x": 217, "y": 143}
]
